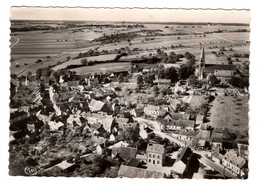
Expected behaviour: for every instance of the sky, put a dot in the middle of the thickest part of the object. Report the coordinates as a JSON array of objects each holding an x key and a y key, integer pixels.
[{"x": 136, "y": 15}]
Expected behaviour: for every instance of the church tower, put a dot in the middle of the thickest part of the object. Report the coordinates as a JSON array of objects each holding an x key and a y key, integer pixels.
[{"x": 201, "y": 64}]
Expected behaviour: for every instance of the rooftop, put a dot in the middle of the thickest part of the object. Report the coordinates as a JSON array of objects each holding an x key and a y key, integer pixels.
[
  {"x": 132, "y": 172},
  {"x": 155, "y": 148}
]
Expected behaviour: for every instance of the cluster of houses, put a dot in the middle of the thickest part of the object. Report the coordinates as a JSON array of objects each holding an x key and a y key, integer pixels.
[{"x": 97, "y": 117}]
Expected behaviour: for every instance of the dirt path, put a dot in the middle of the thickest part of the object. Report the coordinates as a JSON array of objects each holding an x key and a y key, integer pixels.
[
  {"x": 223, "y": 38},
  {"x": 17, "y": 40}
]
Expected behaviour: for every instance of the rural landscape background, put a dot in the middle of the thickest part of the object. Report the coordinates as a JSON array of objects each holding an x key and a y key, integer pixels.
[{"x": 78, "y": 88}]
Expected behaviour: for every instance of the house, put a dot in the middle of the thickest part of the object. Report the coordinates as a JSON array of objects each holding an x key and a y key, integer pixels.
[
  {"x": 162, "y": 113},
  {"x": 177, "y": 125},
  {"x": 74, "y": 120},
  {"x": 142, "y": 158},
  {"x": 143, "y": 133},
  {"x": 216, "y": 140},
  {"x": 100, "y": 148},
  {"x": 55, "y": 126},
  {"x": 179, "y": 116},
  {"x": 203, "y": 126},
  {"x": 175, "y": 104},
  {"x": 199, "y": 119},
  {"x": 187, "y": 135},
  {"x": 94, "y": 118},
  {"x": 162, "y": 81},
  {"x": 168, "y": 117},
  {"x": 18, "y": 116},
  {"x": 137, "y": 112},
  {"x": 133, "y": 172},
  {"x": 125, "y": 153},
  {"x": 96, "y": 105},
  {"x": 31, "y": 127},
  {"x": 155, "y": 154},
  {"x": 218, "y": 69},
  {"x": 202, "y": 139},
  {"x": 64, "y": 165},
  {"x": 182, "y": 162},
  {"x": 152, "y": 110},
  {"x": 119, "y": 144},
  {"x": 220, "y": 91},
  {"x": 112, "y": 137},
  {"x": 97, "y": 140},
  {"x": 108, "y": 123},
  {"x": 224, "y": 75},
  {"x": 217, "y": 157},
  {"x": 233, "y": 162}
]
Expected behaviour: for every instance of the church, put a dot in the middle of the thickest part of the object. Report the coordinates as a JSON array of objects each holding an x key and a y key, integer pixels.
[{"x": 221, "y": 71}]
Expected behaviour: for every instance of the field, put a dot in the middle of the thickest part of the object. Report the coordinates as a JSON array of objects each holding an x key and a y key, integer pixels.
[
  {"x": 54, "y": 46},
  {"x": 103, "y": 68},
  {"x": 230, "y": 112}
]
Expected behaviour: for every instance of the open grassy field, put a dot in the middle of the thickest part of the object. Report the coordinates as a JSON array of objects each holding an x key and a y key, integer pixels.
[
  {"x": 230, "y": 112},
  {"x": 103, "y": 68}
]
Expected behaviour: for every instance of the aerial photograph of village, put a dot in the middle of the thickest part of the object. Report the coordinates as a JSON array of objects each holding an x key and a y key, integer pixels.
[{"x": 108, "y": 96}]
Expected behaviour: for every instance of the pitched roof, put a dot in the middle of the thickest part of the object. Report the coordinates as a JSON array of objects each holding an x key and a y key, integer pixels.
[
  {"x": 138, "y": 111},
  {"x": 64, "y": 165},
  {"x": 96, "y": 105},
  {"x": 199, "y": 117},
  {"x": 182, "y": 123},
  {"x": 179, "y": 116},
  {"x": 223, "y": 73},
  {"x": 217, "y": 155},
  {"x": 55, "y": 126},
  {"x": 155, "y": 148},
  {"x": 133, "y": 172},
  {"x": 184, "y": 155},
  {"x": 126, "y": 153},
  {"x": 133, "y": 162},
  {"x": 216, "y": 137},
  {"x": 203, "y": 134},
  {"x": 151, "y": 108},
  {"x": 73, "y": 83},
  {"x": 210, "y": 68},
  {"x": 190, "y": 133},
  {"x": 234, "y": 159}
]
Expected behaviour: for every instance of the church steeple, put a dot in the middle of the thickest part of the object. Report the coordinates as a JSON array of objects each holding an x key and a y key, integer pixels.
[{"x": 201, "y": 63}]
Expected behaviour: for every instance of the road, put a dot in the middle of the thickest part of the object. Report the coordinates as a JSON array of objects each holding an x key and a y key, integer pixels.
[
  {"x": 17, "y": 40},
  {"x": 223, "y": 171},
  {"x": 157, "y": 130}
]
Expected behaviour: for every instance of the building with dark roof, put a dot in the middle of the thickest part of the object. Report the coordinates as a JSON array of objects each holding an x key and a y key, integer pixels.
[{"x": 182, "y": 162}]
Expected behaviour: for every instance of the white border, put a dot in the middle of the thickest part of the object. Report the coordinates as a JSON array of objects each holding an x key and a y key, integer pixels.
[{"x": 4, "y": 95}]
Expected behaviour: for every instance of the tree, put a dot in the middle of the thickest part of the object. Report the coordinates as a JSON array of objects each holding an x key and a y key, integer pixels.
[
  {"x": 193, "y": 80},
  {"x": 186, "y": 71},
  {"x": 171, "y": 73},
  {"x": 161, "y": 73},
  {"x": 84, "y": 61},
  {"x": 139, "y": 79},
  {"x": 29, "y": 73},
  {"x": 156, "y": 89},
  {"x": 149, "y": 78},
  {"x": 212, "y": 80}
]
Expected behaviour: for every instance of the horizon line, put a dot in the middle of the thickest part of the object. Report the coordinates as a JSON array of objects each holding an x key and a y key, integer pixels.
[{"x": 144, "y": 22}]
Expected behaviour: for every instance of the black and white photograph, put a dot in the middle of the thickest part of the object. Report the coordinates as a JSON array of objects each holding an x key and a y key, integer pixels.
[{"x": 150, "y": 93}]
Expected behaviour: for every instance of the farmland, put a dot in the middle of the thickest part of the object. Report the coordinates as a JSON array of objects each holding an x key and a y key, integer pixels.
[
  {"x": 53, "y": 46},
  {"x": 103, "y": 68}
]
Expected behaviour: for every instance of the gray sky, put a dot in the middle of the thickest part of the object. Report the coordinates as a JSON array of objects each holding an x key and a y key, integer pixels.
[{"x": 149, "y": 15}]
